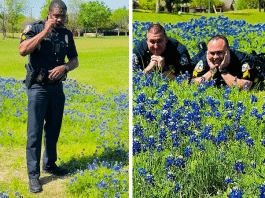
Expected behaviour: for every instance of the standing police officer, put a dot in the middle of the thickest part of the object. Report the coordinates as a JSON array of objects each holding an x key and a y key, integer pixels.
[
  {"x": 47, "y": 43},
  {"x": 162, "y": 52},
  {"x": 225, "y": 66}
]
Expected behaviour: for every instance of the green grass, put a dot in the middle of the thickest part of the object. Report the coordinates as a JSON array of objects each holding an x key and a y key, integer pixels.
[
  {"x": 251, "y": 16},
  {"x": 103, "y": 62}
]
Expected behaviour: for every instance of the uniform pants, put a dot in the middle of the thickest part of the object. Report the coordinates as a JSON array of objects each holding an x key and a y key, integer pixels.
[{"x": 45, "y": 102}]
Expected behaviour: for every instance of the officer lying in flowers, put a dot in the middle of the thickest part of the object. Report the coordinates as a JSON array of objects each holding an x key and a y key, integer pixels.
[
  {"x": 160, "y": 52},
  {"x": 47, "y": 43},
  {"x": 223, "y": 65}
]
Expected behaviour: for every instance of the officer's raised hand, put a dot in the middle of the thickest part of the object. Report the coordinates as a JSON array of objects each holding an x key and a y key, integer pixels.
[
  {"x": 50, "y": 23},
  {"x": 225, "y": 61}
]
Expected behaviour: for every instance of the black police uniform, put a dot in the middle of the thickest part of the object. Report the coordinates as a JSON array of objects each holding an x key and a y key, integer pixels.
[
  {"x": 46, "y": 99},
  {"x": 240, "y": 66},
  {"x": 177, "y": 58}
]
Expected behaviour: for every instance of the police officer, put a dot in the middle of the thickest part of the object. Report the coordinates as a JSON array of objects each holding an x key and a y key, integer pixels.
[
  {"x": 225, "y": 66},
  {"x": 160, "y": 52},
  {"x": 47, "y": 43}
]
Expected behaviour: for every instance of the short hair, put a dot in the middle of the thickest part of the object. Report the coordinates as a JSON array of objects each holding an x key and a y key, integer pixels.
[
  {"x": 156, "y": 29},
  {"x": 217, "y": 37},
  {"x": 57, "y": 4}
]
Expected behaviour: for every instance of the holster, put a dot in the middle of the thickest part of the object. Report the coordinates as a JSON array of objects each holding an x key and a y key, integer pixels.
[{"x": 31, "y": 73}]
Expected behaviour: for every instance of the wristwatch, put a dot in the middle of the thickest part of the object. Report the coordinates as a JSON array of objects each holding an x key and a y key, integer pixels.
[{"x": 66, "y": 68}]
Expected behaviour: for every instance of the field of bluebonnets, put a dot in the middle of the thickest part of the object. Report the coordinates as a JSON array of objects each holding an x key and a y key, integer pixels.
[
  {"x": 93, "y": 143},
  {"x": 198, "y": 141},
  {"x": 89, "y": 118}
]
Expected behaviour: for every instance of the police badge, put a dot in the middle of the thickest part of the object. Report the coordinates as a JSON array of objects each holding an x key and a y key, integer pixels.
[
  {"x": 27, "y": 29},
  {"x": 245, "y": 67}
]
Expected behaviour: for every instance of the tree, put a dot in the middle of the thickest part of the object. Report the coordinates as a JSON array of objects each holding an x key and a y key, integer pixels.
[
  {"x": 157, "y": 6},
  {"x": 45, "y": 9},
  {"x": 205, "y": 3},
  {"x": 121, "y": 18},
  {"x": 3, "y": 17},
  {"x": 14, "y": 9},
  {"x": 148, "y": 4},
  {"x": 94, "y": 15},
  {"x": 73, "y": 12},
  {"x": 170, "y": 3}
]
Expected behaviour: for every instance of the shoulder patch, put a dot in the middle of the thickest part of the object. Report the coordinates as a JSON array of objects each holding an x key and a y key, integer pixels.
[
  {"x": 245, "y": 67},
  {"x": 183, "y": 60},
  {"x": 199, "y": 67},
  {"x": 23, "y": 37},
  {"x": 27, "y": 29},
  {"x": 246, "y": 74}
]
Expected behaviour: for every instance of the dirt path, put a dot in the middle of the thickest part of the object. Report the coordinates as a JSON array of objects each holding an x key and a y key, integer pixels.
[{"x": 13, "y": 175}]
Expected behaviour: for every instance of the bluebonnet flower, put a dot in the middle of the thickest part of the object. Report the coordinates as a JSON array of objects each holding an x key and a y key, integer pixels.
[
  {"x": 170, "y": 176},
  {"x": 170, "y": 161},
  {"x": 159, "y": 148},
  {"x": 235, "y": 193},
  {"x": 151, "y": 142},
  {"x": 149, "y": 117},
  {"x": 249, "y": 142},
  {"x": 165, "y": 115},
  {"x": 262, "y": 141},
  {"x": 228, "y": 180},
  {"x": 239, "y": 167},
  {"x": 253, "y": 164},
  {"x": 136, "y": 147},
  {"x": 229, "y": 115},
  {"x": 254, "y": 99},
  {"x": 177, "y": 188},
  {"x": 141, "y": 98},
  {"x": 142, "y": 172},
  {"x": 180, "y": 162},
  {"x": 262, "y": 190},
  {"x": 254, "y": 112},
  {"x": 188, "y": 151},
  {"x": 149, "y": 179}
]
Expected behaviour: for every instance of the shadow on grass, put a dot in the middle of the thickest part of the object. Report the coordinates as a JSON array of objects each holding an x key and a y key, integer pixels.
[
  {"x": 111, "y": 156},
  {"x": 47, "y": 179}
]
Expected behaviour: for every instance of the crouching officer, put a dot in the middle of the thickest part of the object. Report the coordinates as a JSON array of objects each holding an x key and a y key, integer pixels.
[
  {"x": 160, "y": 52},
  {"x": 47, "y": 43},
  {"x": 225, "y": 66}
]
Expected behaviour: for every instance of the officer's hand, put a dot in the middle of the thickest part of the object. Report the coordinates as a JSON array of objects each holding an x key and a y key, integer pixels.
[
  {"x": 56, "y": 73},
  {"x": 160, "y": 61},
  {"x": 150, "y": 67},
  {"x": 226, "y": 61},
  {"x": 211, "y": 65},
  {"x": 50, "y": 23}
]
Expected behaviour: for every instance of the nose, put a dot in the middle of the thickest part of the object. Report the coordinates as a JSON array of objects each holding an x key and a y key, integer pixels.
[
  {"x": 155, "y": 45},
  {"x": 216, "y": 56}
]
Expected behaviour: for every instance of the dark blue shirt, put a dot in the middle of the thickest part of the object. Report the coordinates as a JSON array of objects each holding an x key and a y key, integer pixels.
[
  {"x": 240, "y": 66},
  {"x": 53, "y": 49},
  {"x": 177, "y": 58}
]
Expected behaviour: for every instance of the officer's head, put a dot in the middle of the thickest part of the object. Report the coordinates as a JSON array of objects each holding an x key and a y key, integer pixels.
[
  {"x": 57, "y": 11},
  {"x": 217, "y": 48},
  {"x": 156, "y": 39}
]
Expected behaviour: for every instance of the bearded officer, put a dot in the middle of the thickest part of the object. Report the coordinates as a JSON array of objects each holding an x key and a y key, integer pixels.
[
  {"x": 47, "y": 43},
  {"x": 160, "y": 52},
  {"x": 225, "y": 66}
]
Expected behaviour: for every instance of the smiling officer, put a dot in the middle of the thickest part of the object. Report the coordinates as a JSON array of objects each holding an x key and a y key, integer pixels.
[
  {"x": 225, "y": 66},
  {"x": 160, "y": 52},
  {"x": 47, "y": 43}
]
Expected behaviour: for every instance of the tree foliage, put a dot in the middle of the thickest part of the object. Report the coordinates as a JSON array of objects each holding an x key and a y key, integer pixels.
[
  {"x": 45, "y": 9},
  {"x": 14, "y": 9},
  {"x": 73, "y": 10},
  {"x": 120, "y": 17},
  {"x": 205, "y": 3},
  {"x": 247, "y": 4},
  {"x": 94, "y": 15},
  {"x": 148, "y": 4}
]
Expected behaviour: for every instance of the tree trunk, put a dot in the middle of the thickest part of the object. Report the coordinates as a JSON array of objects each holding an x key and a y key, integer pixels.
[
  {"x": 4, "y": 29},
  {"x": 13, "y": 31},
  {"x": 118, "y": 31},
  {"x": 259, "y": 5},
  {"x": 157, "y": 6}
]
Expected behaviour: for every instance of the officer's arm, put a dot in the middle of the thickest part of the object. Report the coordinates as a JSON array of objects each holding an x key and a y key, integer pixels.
[
  {"x": 206, "y": 77},
  {"x": 231, "y": 80},
  {"x": 72, "y": 64},
  {"x": 29, "y": 45}
]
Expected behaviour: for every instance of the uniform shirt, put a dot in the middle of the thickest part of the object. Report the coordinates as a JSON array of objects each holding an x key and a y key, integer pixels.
[
  {"x": 177, "y": 58},
  {"x": 240, "y": 66},
  {"x": 52, "y": 50}
]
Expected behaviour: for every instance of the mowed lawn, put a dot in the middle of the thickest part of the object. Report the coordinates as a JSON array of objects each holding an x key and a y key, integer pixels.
[
  {"x": 251, "y": 16},
  {"x": 103, "y": 62}
]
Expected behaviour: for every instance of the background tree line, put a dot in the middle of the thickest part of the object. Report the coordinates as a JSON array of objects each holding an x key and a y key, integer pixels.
[
  {"x": 156, "y": 5},
  {"x": 82, "y": 16}
]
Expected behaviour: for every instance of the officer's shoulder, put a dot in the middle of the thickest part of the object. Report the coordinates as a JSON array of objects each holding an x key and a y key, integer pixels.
[
  {"x": 39, "y": 22},
  {"x": 179, "y": 46},
  {"x": 142, "y": 45},
  {"x": 238, "y": 54}
]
